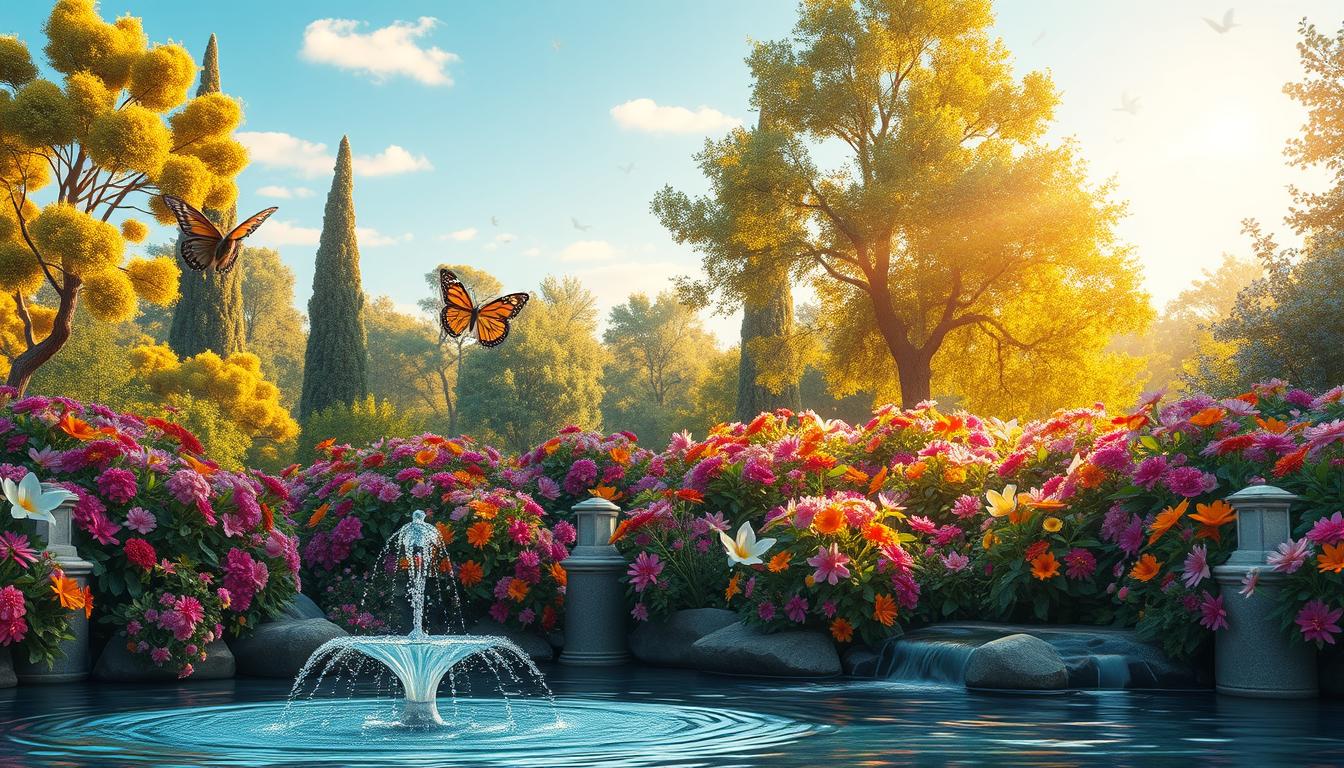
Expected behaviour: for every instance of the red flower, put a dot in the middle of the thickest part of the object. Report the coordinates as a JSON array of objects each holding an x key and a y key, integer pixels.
[
  {"x": 1036, "y": 550},
  {"x": 179, "y": 433},
  {"x": 140, "y": 553}
]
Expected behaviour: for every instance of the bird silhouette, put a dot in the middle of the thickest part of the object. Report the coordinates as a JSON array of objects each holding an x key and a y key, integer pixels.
[
  {"x": 626, "y": 168},
  {"x": 556, "y": 45},
  {"x": 579, "y": 226},
  {"x": 1226, "y": 25},
  {"x": 494, "y": 221},
  {"x": 1039, "y": 38},
  {"x": 1128, "y": 104}
]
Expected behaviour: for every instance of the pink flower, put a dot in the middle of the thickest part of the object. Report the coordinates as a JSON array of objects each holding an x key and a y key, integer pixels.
[
  {"x": 141, "y": 520},
  {"x": 520, "y": 531},
  {"x": 1189, "y": 481},
  {"x": 1196, "y": 566},
  {"x": 920, "y": 524},
  {"x": 1289, "y": 556},
  {"x": 640, "y": 612},
  {"x": 829, "y": 563},
  {"x": 796, "y": 609},
  {"x": 243, "y": 577},
  {"x": 644, "y": 572},
  {"x": 565, "y": 533},
  {"x": 159, "y": 656},
  {"x": 955, "y": 561},
  {"x": 13, "y": 631},
  {"x": 766, "y": 611},
  {"x": 580, "y": 477},
  {"x": 11, "y": 604},
  {"x": 1149, "y": 471},
  {"x": 1079, "y": 564},
  {"x": 1249, "y": 582},
  {"x": 1319, "y": 624},
  {"x": 1328, "y": 530},
  {"x": 14, "y": 546},
  {"x": 966, "y": 506},
  {"x": 1212, "y": 614},
  {"x": 191, "y": 610}
]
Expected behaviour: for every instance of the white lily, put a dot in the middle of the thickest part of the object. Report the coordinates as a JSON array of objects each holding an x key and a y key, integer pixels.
[
  {"x": 27, "y": 499},
  {"x": 745, "y": 549}
]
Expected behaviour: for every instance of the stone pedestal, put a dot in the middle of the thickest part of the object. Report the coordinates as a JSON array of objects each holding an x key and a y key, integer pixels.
[
  {"x": 595, "y": 621},
  {"x": 73, "y": 663},
  {"x": 1254, "y": 656}
]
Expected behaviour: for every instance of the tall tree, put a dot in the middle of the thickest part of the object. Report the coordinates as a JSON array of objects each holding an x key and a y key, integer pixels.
[
  {"x": 209, "y": 313},
  {"x": 946, "y": 218},
  {"x": 335, "y": 367},
  {"x": 410, "y": 360},
  {"x": 103, "y": 142},
  {"x": 547, "y": 375},
  {"x": 454, "y": 352},
  {"x": 274, "y": 326}
]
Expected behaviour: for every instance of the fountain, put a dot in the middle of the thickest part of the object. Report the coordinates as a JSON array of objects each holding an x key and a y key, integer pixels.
[{"x": 418, "y": 659}]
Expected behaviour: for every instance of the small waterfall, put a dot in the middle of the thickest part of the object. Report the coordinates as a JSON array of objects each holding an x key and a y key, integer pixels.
[
  {"x": 1112, "y": 671},
  {"x": 926, "y": 661}
]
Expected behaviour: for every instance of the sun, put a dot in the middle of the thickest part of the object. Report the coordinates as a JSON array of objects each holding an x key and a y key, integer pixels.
[{"x": 1229, "y": 132}]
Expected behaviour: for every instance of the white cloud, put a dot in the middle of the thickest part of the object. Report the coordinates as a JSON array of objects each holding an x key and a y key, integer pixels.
[
  {"x": 532, "y": 252},
  {"x": 277, "y": 233},
  {"x": 505, "y": 237},
  {"x": 382, "y": 53},
  {"x": 284, "y": 193},
  {"x": 460, "y": 235},
  {"x": 277, "y": 149},
  {"x": 372, "y": 238},
  {"x": 647, "y": 116},
  {"x": 588, "y": 250}
]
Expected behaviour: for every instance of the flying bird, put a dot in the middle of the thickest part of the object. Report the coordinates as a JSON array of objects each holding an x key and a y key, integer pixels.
[
  {"x": 1039, "y": 38},
  {"x": 578, "y": 226},
  {"x": 494, "y": 221},
  {"x": 1128, "y": 104},
  {"x": 1226, "y": 25},
  {"x": 626, "y": 168},
  {"x": 556, "y": 45}
]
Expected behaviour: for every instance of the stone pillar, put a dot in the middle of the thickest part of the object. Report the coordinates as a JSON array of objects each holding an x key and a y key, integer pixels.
[
  {"x": 73, "y": 663},
  {"x": 595, "y": 621},
  {"x": 1254, "y": 656}
]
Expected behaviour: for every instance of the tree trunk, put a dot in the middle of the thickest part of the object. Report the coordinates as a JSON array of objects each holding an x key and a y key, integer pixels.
[
  {"x": 774, "y": 318},
  {"x": 25, "y": 365},
  {"x": 914, "y": 366}
]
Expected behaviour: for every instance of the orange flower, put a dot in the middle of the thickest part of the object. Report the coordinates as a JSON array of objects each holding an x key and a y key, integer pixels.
[
  {"x": 1146, "y": 568},
  {"x": 559, "y": 573},
  {"x": 842, "y": 630},
  {"x": 76, "y": 427},
  {"x": 463, "y": 477},
  {"x": 1166, "y": 519},
  {"x": 318, "y": 514},
  {"x": 1090, "y": 475},
  {"x": 88, "y": 601},
  {"x": 1208, "y": 417},
  {"x": 916, "y": 470},
  {"x": 478, "y": 535},
  {"x": 549, "y": 446},
  {"x": 779, "y": 562},
  {"x": 954, "y": 475},
  {"x": 483, "y": 509},
  {"x": 1331, "y": 558},
  {"x": 267, "y": 516},
  {"x": 518, "y": 590},
  {"x": 1132, "y": 421},
  {"x": 1272, "y": 425},
  {"x": 884, "y": 610},
  {"x": 1045, "y": 567},
  {"x": 446, "y": 532},
  {"x": 445, "y": 565},
  {"x": 1290, "y": 463},
  {"x": 605, "y": 492},
  {"x": 878, "y": 479},
  {"x": 426, "y": 456},
  {"x": 620, "y": 455},
  {"x": 855, "y": 476},
  {"x": 689, "y": 494},
  {"x": 471, "y": 573},
  {"x": 67, "y": 591},
  {"x": 1213, "y": 516},
  {"x": 948, "y": 425},
  {"x": 733, "y": 588},
  {"x": 200, "y": 466},
  {"x": 346, "y": 487},
  {"x": 454, "y": 448},
  {"x": 326, "y": 445},
  {"x": 830, "y": 520},
  {"x": 878, "y": 533}
]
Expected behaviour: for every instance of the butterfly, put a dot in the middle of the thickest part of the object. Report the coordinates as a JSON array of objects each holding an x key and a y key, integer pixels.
[
  {"x": 489, "y": 322},
  {"x": 202, "y": 245}
]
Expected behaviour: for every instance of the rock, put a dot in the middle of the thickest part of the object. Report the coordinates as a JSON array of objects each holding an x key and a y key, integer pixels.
[
  {"x": 669, "y": 642},
  {"x": 1016, "y": 662},
  {"x": 118, "y": 665},
  {"x": 299, "y": 608},
  {"x": 741, "y": 650},
  {"x": 281, "y": 648},
  {"x": 535, "y": 646},
  {"x": 7, "y": 677},
  {"x": 860, "y": 661}
]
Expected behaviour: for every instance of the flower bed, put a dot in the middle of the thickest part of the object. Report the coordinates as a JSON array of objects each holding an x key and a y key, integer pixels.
[{"x": 576, "y": 465}]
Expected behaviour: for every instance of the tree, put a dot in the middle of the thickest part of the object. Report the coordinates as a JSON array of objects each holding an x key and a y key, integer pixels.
[
  {"x": 547, "y": 375},
  {"x": 359, "y": 424},
  {"x": 657, "y": 359},
  {"x": 1321, "y": 145},
  {"x": 274, "y": 327},
  {"x": 209, "y": 314},
  {"x": 454, "y": 352},
  {"x": 335, "y": 367},
  {"x": 947, "y": 219},
  {"x": 409, "y": 369},
  {"x": 101, "y": 142}
]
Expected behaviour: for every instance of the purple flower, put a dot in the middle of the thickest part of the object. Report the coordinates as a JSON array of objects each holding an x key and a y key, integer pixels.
[
  {"x": 1149, "y": 471},
  {"x": 796, "y": 609},
  {"x": 1079, "y": 564},
  {"x": 499, "y": 611},
  {"x": 580, "y": 477},
  {"x": 640, "y": 612},
  {"x": 548, "y": 488},
  {"x": 758, "y": 471},
  {"x": 189, "y": 487},
  {"x": 1212, "y": 614},
  {"x": 1196, "y": 566},
  {"x": 1189, "y": 481},
  {"x": 645, "y": 570},
  {"x": 700, "y": 475},
  {"x": 118, "y": 485},
  {"x": 1318, "y": 623},
  {"x": 565, "y": 533},
  {"x": 766, "y": 611}
]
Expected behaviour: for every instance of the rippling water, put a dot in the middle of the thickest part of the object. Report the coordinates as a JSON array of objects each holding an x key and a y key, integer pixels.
[{"x": 641, "y": 717}]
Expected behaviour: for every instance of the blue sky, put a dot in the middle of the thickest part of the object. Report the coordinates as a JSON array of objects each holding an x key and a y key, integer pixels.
[{"x": 525, "y": 131}]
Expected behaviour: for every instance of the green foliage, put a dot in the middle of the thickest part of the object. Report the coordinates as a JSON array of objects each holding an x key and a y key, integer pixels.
[
  {"x": 335, "y": 368},
  {"x": 459, "y": 352},
  {"x": 361, "y": 423},
  {"x": 274, "y": 327},
  {"x": 410, "y": 362}
]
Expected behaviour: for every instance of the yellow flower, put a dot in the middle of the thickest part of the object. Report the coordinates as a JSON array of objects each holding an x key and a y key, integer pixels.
[
  {"x": 1052, "y": 524},
  {"x": 1001, "y": 504},
  {"x": 989, "y": 540}
]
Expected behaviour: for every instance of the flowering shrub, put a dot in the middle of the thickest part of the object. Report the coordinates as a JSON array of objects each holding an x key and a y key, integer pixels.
[
  {"x": 35, "y": 600},
  {"x": 676, "y": 560},
  {"x": 575, "y": 465},
  {"x": 175, "y": 616},
  {"x": 145, "y": 497}
]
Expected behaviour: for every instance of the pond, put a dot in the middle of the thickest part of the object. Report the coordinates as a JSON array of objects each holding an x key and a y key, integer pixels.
[{"x": 633, "y": 716}]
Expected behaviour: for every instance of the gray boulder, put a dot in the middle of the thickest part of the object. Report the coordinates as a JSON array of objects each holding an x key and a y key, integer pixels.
[
  {"x": 281, "y": 648},
  {"x": 738, "y": 649},
  {"x": 1017, "y": 662},
  {"x": 7, "y": 677},
  {"x": 535, "y": 646},
  {"x": 299, "y": 608},
  {"x": 860, "y": 661},
  {"x": 669, "y": 642},
  {"x": 118, "y": 665}
]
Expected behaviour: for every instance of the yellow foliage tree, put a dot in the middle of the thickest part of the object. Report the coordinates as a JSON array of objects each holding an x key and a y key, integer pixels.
[{"x": 118, "y": 125}]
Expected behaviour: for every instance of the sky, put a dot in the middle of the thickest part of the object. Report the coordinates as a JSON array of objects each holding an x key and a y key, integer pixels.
[{"x": 527, "y": 138}]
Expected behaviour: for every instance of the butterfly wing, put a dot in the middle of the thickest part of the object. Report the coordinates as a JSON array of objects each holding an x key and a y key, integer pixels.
[
  {"x": 250, "y": 225},
  {"x": 492, "y": 318},
  {"x": 232, "y": 245},
  {"x": 458, "y": 306},
  {"x": 200, "y": 237}
]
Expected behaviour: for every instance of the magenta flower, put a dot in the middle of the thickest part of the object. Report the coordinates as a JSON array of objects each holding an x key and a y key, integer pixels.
[
  {"x": 1212, "y": 614},
  {"x": 758, "y": 471},
  {"x": 14, "y": 546},
  {"x": 1079, "y": 564},
  {"x": 640, "y": 612},
  {"x": 829, "y": 563},
  {"x": 580, "y": 477},
  {"x": 766, "y": 611},
  {"x": 1319, "y": 624},
  {"x": 1196, "y": 566},
  {"x": 1328, "y": 530},
  {"x": 118, "y": 485},
  {"x": 1189, "y": 481},
  {"x": 644, "y": 572},
  {"x": 1289, "y": 556},
  {"x": 796, "y": 609},
  {"x": 955, "y": 561},
  {"x": 141, "y": 520}
]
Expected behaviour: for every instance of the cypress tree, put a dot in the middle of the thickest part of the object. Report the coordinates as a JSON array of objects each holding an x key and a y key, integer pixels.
[
  {"x": 774, "y": 318},
  {"x": 209, "y": 314},
  {"x": 335, "y": 369}
]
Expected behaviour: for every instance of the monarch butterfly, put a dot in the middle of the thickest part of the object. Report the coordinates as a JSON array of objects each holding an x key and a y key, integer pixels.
[
  {"x": 202, "y": 245},
  {"x": 488, "y": 322}
]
